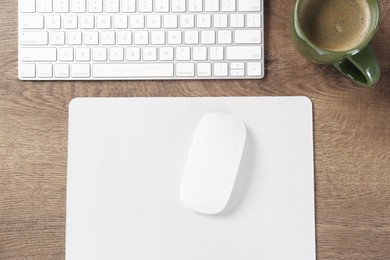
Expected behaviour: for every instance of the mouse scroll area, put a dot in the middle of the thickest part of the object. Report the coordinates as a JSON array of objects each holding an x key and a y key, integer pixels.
[{"x": 213, "y": 163}]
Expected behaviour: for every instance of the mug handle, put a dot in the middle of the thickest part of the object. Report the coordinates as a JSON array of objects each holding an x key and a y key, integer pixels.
[{"x": 362, "y": 67}]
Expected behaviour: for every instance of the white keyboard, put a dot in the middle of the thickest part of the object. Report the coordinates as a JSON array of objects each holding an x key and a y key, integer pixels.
[{"x": 140, "y": 39}]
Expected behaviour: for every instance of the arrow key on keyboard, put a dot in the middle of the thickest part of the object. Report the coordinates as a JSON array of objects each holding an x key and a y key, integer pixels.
[
  {"x": 254, "y": 69},
  {"x": 220, "y": 69}
]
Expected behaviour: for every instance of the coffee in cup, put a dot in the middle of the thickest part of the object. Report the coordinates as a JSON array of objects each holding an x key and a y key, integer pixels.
[
  {"x": 336, "y": 25},
  {"x": 338, "y": 32}
]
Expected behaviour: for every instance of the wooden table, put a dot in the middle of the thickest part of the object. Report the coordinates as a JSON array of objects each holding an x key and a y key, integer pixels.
[{"x": 351, "y": 133}]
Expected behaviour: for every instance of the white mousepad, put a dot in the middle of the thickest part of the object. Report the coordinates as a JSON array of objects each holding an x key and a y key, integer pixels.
[{"x": 126, "y": 158}]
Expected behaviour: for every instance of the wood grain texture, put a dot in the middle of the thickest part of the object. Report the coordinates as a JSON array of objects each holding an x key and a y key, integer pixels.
[{"x": 351, "y": 133}]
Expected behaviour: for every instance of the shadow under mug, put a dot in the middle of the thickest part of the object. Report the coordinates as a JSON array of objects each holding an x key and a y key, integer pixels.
[{"x": 359, "y": 63}]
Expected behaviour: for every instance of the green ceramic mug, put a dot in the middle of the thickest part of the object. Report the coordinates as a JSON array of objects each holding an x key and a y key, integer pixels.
[{"x": 312, "y": 34}]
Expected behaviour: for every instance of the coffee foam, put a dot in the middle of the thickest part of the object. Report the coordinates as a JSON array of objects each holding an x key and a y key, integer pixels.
[{"x": 336, "y": 25}]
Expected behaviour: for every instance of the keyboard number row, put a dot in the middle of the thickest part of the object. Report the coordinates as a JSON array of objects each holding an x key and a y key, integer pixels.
[{"x": 140, "y": 21}]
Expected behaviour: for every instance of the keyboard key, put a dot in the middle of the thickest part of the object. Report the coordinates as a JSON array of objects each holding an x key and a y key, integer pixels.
[
  {"x": 141, "y": 37},
  {"x": 61, "y": 70},
  {"x": 99, "y": 54},
  {"x": 237, "y": 20},
  {"x": 224, "y": 37},
  {"x": 158, "y": 37},
  {"x": 195, "y": 5},
  {"x": 229, "y": 5},
  {"x": 136, "y": 70},
  {"x": 103, "y": 22},
  {"x": 237, "y": 73},
  {"x": 237, "y": 66},
  {"x": 133, "y": 53},
  {"x": 203, "y": 69},
  {"x": 253, "y": 20},
  {"x": 35, "y": 38},
  {"x": 207, "y": 37},
  {"x": 187, "y": 21},
  {"x": 44, "y": 6},
  {"x": 249, "y": 5},
  {"x": 137, "y": 21},
  {"x": 243, "y": 52},
  {"x": 149, "y": 53},
  {"x": 203, "y": 21},
  {"x": 45, "y": 70},
  {"x": 120, "y": 22},
  {"x": 74, "y": 38},
  {"x": 78, "y": 6},
  {"x": 27, "y": 6},
  {"x": 65, "y": 54},
  {"x": 185, "y": 69},
  {"x": 220, "y": 21},
  {"x": 70, "y": 21},
  {"x": 87, "y": 21},
  {"x": 166, "y": 53},
  {"x": 200, "y": 53},
  {"x": 81, "y": 70},
  {"x": 128, "y": 6},
  {"x": 53, "y": 22},
  {"x": 183, "y": 53},
  {"x": 32, "y": 22},
  {"x": 57, "y": 38},
  {"x": 220, "y": 69},
  {"x": 116, "y": 54},
  {"x": 178, "y": 6},
  {"x": 254, "y": 69},
  {"x": 27, "y": 70},
  {"x": 170, "y": 21},
  {"x": 216, "y": 53},
  {"x": 174, "y": 37},
  {"x": 107, "y": 37},
  {"x": 191, "y": 37},
  {"x": 112, "y": 6},
  {"x": 95, "y": 6},
  {"x": 161, "y": 6},
  {"x": 61, "y": 6},
  {"x": 247, "y": 36},
  {"x": 124, "y": 37},
  {"x": 153, "y": 21},
  {"x": 83, "y": 54},
  {"x": 39, "y": 54},
  {"x": 211, "y": 5},
  {"x": 145, "y": 6}
]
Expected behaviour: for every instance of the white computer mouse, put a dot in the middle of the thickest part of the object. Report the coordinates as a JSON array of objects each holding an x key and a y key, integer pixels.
[{"x": 213, "y": 163}]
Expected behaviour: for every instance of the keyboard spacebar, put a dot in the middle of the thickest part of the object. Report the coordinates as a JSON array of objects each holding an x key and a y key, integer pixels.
[{"x": 132, "y": 70}]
